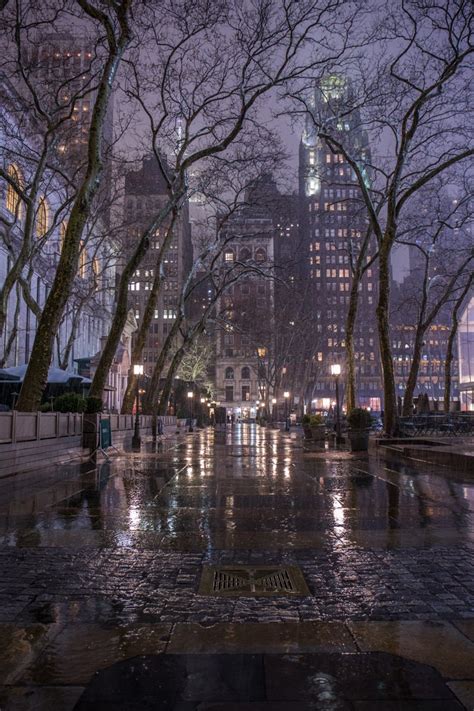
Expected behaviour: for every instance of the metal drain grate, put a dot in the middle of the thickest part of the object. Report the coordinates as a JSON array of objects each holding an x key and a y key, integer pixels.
[{"x": 264, "y": 580}]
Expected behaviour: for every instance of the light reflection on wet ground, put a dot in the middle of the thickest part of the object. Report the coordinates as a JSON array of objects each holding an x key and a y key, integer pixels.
[
  {"x": 247, "y": 480},
  {"x": 100, "y": 564}
]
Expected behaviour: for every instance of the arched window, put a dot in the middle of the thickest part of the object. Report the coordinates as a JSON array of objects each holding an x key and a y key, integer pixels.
[
  {"x": 42, "y": 218},
  {"x": 260, "y": 255},
  {"x": 245, "y": 373},
  {"x": 82, "y": 261},
  {"x": 229, "y": 373},
  {"x": 13, "y": 203},
  {"x": 96, "y": 269},
  {"x": 229, "y": 255},
  {"x": 245, "y": 254}
]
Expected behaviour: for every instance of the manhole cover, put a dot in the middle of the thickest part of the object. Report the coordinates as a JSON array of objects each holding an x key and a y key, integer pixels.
[{"x": 264, "y": 580}]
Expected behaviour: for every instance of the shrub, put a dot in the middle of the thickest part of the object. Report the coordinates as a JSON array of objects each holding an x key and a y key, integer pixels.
[
  {"x": 69, "y": 402},
  {"x": 305, "y": 420},
  {"x": 315, "y": 420},
  {"x": 359, "y": 419},
  {"x": 46, "y": 407}
]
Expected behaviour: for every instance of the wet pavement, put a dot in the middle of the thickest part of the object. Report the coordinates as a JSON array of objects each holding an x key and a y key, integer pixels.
[{"x": 100, "y": 570}]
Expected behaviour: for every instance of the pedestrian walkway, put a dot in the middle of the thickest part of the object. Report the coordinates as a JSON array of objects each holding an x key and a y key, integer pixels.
[{"x": 103, "y": 570}]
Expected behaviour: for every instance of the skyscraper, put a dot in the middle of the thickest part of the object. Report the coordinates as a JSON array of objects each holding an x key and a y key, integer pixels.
[
  {"x": 145, "y": 191},
  {"x": 333, "y": 222}
]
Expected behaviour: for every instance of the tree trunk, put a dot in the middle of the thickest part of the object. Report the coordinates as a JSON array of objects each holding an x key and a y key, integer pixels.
[
  {"x": 120, "y": 316},
  {"x": 24, "y": 254},
  {"x": 413, "y": 374},
  {"x": 13, "y": 333},
  {"x": 448, "y": 364},
  {"x": 139, "y": 344},
  {"x": 351, "y": 400},
  {"x": 36, "y": 375},
  {"x": 166, "y": 391},
  {"x": 390, "y": 401},
  {"x": 149, "y": 403},
  {"x": 450, "y": 345},
  {"x": 145, "y": 321},
  {"x": 64, "y": 360}
]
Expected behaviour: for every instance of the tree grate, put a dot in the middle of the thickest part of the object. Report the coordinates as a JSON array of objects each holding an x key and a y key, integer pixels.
[{"x": 264, "y": 580}]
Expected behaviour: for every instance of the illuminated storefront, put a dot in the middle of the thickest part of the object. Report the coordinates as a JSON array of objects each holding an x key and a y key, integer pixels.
[{"x": 466, "y": 357}]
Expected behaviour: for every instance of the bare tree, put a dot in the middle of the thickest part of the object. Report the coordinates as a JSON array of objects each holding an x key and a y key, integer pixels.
[
  {"x": 114, "y": 23},
  {"x": 200, "y": 82},
  {"x": 194, "y": 367},
  {"x": 437, "y": 230},
  {"x": 413, "y": 95}
]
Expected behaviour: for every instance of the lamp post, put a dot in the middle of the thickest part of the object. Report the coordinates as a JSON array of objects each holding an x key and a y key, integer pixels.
[
  {"x": 336, "y": 371},
  {"x": 274, "y": 402},
  {"x": 286, "y": 395},
  {"x": 190, "y": 398},
  {"x": 136, "y": 439}
]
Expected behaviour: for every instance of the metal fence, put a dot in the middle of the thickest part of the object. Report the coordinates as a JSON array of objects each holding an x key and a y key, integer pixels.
[{"x": 452, "y": 424}]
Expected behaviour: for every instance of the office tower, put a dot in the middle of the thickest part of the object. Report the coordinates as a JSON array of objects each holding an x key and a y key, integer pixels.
[
  {"x": 145, "y": 192},
  {"x": 333, "y": 222}
]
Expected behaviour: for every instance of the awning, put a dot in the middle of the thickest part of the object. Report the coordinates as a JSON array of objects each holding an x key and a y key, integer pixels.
[{"x": 55, "y": 376}]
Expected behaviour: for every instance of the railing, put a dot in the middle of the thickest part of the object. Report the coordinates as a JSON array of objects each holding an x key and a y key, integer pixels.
[
  {"x": 453, "y": 424},
  {"x": 30, "y": 426}
]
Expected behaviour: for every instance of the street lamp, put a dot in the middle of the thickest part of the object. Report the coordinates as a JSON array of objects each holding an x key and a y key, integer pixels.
[
  {"x": 336, "y": 371},
  {"x": 190, "y": 398},
  {"x": 286, "y": 395},
  {"x": 136, "y": 439},
  {"x": 274, "y": 402}
]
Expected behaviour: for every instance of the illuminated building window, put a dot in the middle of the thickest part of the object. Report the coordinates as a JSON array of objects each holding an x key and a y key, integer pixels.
[
  {"x": 42, "y": 218},
  {"x": 82, "y": 261},
  {"x": 13, "y": 203}
]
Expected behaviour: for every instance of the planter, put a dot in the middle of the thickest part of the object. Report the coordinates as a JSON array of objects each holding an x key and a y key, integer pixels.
[
  {"x": 318, "y": 432},
  {"x": 359, "y": 440},
  {"x": 314, "y": 432}
]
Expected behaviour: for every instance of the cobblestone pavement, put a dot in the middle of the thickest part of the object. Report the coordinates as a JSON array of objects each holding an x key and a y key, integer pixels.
[{"x": 95, "y": 556}]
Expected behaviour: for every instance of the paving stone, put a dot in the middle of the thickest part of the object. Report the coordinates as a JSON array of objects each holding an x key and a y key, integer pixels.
[
  {"x": 262, "y": 637},
  {"x": 439, "y": 644},
  {"x": 80, "y": 650},
  {"x": 127, "y": 553},
  {"x": 39, "y": 698},
  {"x": 19, "y": 646},
  {"x": 464, "y": 691}
]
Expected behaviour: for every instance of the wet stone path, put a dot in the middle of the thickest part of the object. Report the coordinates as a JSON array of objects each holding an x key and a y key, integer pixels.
[{"x": 100, "y": 565}]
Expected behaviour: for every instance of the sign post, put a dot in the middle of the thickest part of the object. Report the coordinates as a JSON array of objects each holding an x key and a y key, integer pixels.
[
  {"x": 105, "y": 434},
  {"x": 105, "y": 437}
]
